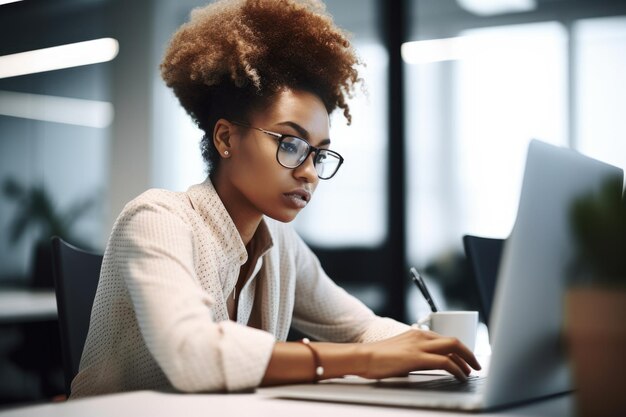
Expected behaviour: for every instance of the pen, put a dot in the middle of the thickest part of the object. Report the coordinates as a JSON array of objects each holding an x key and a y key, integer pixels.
[{"x": 421, "y": 285}]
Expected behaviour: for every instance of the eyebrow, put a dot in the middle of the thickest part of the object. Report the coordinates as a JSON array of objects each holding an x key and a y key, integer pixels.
[{"x": 303, "y": 132}]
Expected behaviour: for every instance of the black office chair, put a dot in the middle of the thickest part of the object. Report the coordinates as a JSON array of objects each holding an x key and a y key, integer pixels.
[
  {"x": 483, "y": 255},
  {"x": 76, "y": 274}
]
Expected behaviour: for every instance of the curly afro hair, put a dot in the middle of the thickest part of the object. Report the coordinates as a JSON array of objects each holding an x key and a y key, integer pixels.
[{"x": 234, "y": 55}]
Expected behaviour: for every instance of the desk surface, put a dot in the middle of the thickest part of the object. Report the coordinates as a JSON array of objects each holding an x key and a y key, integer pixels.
[
  {"x": 154, "y": 404},
  {"x": 23, "y": 305}
]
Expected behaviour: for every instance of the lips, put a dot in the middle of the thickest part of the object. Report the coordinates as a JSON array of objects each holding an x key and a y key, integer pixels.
[
  {"x": 301, "y": 194},
  {"x": 297, "y": 199}
]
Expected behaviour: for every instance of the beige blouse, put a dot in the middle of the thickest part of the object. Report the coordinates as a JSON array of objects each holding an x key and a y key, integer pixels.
[{"x": 160, "y": 318}]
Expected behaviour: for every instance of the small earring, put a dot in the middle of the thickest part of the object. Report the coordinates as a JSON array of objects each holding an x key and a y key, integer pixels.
[{"x": 226, "y": 153}]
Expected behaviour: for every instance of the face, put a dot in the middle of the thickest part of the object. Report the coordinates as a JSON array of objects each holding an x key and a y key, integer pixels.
[{"x": 259, "y": 183}]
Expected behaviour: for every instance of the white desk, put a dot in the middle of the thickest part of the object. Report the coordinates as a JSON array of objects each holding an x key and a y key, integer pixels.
[
  {"x": 26, "y": 305},
  {"x": 154, "y": 404}
]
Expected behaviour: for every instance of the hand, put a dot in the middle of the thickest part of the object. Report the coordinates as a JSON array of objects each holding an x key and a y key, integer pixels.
[{"x": 416, "y": 350}]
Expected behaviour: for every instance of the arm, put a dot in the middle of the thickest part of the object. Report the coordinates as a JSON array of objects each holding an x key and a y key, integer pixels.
[
  {"x": 415, "y": 349},
  {"x": 325, "y": 311},
  {"x": 384, "y": 347},
  {"x": 154, "y": 254}
]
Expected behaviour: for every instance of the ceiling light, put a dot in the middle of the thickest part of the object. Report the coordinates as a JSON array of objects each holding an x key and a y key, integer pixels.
[
  {"x": 74, "y": 111},
  {"x": 58, "y": 57},
  {"x": 494, "y": 7},
  {"x": 435, "y": 50}
]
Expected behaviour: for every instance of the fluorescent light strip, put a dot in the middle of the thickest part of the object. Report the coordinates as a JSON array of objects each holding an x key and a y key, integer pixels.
[
  {"x": 494, "y": 7},
  {"x": 73, "y": 111},
  {"x": 436, "y": 50},
  {"x": 58, "y": 57},
  {"x": 3, "y": 2}
]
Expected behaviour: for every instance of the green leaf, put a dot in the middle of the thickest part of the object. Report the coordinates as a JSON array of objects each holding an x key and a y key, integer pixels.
[
  {"x": 598, "y": 223},
  {"x": 12, "y": 189},
  {"x": 37, "y": 210}
]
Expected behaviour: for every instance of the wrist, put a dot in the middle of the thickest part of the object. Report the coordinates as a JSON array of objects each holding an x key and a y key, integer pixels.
[
  {"x": 363, "y": 355},
  {"x": 317, "y": 363},
  {"x": 340, "y": 359}
]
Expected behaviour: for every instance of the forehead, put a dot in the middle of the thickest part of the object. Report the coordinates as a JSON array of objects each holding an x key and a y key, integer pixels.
[{"x": 298, "y": 106}]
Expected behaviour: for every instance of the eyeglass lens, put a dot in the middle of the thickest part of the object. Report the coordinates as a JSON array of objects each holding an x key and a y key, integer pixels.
[{"x": 292, "y": 152}]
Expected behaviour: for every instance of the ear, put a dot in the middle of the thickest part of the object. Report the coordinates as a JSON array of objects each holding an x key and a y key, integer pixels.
[{"x": 222, "y": 137}]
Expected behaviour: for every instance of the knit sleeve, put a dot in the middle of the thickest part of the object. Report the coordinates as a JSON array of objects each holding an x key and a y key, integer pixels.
[
  {"x": 154, "y": 254},
  {"x": 327, "y": 312}
]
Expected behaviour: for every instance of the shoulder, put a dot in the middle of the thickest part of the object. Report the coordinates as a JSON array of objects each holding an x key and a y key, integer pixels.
[
  {"x": 158, "y": 197},
  {"x": 156, "y": 204}
]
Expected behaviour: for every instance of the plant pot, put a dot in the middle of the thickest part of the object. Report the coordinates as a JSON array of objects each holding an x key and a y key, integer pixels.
[{"x": 595, "y": 328}]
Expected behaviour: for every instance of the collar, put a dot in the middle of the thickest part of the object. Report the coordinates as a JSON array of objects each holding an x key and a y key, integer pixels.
[
  {"x": 262, "y": 240},
  {"x": 207, "y": 203}
]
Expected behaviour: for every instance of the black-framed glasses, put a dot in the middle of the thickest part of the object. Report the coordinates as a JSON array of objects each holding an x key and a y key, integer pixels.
[{"x": 292, "y": 151}]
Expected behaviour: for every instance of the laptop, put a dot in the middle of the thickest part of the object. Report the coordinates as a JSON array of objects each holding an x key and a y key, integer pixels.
[{"x": 528, "y": 359}]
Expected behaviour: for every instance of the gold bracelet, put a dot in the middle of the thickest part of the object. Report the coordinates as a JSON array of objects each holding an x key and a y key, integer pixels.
[{"x": 319, "y": 369}]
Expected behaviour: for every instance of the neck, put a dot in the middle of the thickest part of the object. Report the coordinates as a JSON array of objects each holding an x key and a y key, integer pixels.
[{"x": 246, "y": 218}]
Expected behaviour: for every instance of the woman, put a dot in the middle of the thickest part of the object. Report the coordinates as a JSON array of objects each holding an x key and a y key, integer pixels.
[{"x": 199, "y": 289}]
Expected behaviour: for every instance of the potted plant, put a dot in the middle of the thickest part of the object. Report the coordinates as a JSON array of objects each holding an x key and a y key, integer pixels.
[
  {"x": 38, "y": 211},
  {"x": 595, "y": 317}
]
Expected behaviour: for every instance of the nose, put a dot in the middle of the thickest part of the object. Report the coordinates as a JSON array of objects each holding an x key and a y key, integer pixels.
[{"x": 307, "y": 171}]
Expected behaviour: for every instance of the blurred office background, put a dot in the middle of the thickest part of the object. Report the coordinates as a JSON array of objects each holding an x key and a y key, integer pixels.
[{"x": 455, "y": 91}]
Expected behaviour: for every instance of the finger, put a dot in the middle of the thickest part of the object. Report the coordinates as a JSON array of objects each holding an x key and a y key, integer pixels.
[
  {"x": 446, "y": 345},
  {"x": 425, "y": 334},
  {"x": 461, "y": 363},
  {"x": 430, "y": 334},
  {"x": 434, "y": 361}
]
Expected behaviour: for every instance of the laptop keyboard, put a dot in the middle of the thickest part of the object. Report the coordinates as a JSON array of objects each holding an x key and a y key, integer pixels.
[{"x": 473, "y": 384}]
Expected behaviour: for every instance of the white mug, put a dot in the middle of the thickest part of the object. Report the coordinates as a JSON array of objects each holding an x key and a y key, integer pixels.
[{"x": 459, "y": 324}]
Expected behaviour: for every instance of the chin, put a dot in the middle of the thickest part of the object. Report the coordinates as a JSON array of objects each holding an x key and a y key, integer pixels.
[{"x": 283, "y": 217}]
